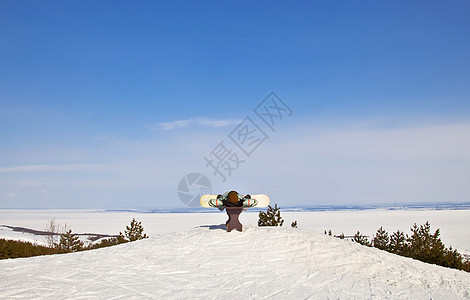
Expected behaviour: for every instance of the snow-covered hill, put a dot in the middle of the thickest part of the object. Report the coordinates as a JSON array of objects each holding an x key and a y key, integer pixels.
[
  {"x": 38, "y": 237},
  {"x": 207, "y": 262}
]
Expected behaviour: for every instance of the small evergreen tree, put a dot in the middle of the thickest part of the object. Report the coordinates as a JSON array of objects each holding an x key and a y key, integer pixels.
[
  {"x": 272, "y": 217},
  {"x": 69, "y": 242},
  {"x": 361, "y": 239},
  {"x": 121, "y": 238},
  {"x": 397, "y": 243},
  {"x": 424, "y": 246},
  {"x": 133, "y": 232},
  {"x": 453, "y": 259},
  {"x": 381, "y": 239}
]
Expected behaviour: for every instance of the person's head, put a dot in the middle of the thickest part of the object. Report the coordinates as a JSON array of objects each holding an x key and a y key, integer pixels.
[{"x": 233, "y": 197}]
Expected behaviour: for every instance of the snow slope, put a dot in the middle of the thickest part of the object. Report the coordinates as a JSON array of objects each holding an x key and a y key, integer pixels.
[
  {"x": 40, "y": 239},
  {"x": 208, "y": 262}
]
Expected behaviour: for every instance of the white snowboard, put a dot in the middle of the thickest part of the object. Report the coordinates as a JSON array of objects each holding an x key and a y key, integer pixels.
[{"x": 263, "y": 200}]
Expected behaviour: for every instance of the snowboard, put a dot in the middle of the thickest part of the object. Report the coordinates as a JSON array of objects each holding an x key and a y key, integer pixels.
[{"x": 263, "y": 200}]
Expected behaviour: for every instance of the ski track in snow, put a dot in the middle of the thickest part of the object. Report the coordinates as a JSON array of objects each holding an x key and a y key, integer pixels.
[{"x": 259, "y": 263}]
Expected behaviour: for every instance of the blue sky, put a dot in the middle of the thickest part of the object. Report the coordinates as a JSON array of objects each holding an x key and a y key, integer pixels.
[{"x": 110, "y": 103}]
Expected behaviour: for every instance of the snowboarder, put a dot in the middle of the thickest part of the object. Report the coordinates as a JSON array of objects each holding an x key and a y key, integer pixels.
[{"x": 232, "y": 199}]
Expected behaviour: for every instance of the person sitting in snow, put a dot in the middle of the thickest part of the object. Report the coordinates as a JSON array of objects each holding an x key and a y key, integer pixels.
[{"x": 232, "y": 199}]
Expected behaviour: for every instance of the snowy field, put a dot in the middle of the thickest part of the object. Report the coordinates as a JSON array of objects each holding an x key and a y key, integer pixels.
[
  {"x": 189, "y": 255},
  {"x": 454, "y": 224},
  {"x": 209, "y": 263}
]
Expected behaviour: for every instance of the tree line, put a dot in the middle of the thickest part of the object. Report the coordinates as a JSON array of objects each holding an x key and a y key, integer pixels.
[{"x": 421, "y": 244}]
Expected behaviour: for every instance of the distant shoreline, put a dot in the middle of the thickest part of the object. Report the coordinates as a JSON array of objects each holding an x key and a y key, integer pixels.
[{"x": 302, "y": 208}]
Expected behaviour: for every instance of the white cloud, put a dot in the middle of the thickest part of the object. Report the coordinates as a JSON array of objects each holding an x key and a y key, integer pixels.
[
  {"x": 65, "y": 167},
  {"x": 362, "y": 165},
  {"x": 29, "y": 183},
  {"x": 419, "y": 143},
  {"x": 10, "y": 195},
  {"x": 194, "y": 121},
  {"x": 302, "y": 164}
]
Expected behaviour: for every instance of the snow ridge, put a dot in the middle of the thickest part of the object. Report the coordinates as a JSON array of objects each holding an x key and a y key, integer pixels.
[{"x": 207, "y": 262}]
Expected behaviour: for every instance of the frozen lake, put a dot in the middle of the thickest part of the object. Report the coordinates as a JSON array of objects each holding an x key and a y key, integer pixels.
[{"x": 454, "y": 224}]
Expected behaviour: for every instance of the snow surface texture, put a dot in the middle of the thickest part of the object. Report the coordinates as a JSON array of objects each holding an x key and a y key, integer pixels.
[{"x": 208, "y": 262}]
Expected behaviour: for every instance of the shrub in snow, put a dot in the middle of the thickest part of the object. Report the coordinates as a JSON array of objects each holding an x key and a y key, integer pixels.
[
  {"x": 272, "y": 217},
  {"x": 428, "y": 247},
  {"x": 133, "y": 232},
  {"x": 397, "y": 243},
  {"x": 15, "y": 249},
  {"x": 104, "y": 243},
  {"x": 361, "y": 239},
  {"x": 69, "y": 242},
  {"x": 381, "y": 239}
]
